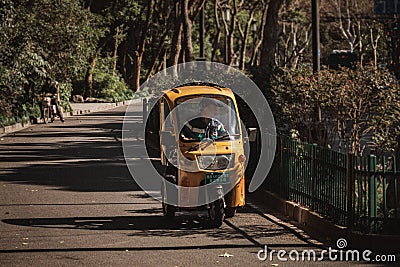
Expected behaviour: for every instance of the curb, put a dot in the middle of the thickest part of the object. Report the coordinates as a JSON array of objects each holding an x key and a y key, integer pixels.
[
  {"x": 325, "y": 229},
  {"x": 14, "y": 128},
  {"x": 107, "y": 106},
  {"x": 20, "y": 126}
]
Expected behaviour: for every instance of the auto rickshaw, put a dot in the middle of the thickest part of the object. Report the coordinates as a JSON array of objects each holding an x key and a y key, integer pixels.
[{"x": 206, "y": 165}]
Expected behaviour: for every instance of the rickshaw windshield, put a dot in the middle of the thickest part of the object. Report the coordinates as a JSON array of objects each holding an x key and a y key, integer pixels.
[{"x": 193, "y": 124}]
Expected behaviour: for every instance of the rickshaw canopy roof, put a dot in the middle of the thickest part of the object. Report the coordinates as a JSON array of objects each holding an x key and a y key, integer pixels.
[{"x": 172, "y": 94}]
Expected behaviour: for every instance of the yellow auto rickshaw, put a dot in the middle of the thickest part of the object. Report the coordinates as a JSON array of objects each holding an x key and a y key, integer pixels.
[{"x": 202, "y": 151}]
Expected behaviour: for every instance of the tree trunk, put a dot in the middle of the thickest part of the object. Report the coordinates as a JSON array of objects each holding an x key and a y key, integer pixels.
[
  {"x": 271, "y": 36},
  {"x": 254, "y": 57},
  {"x": 124, "y": 61},
  {"x": 157, "y": 58},
  {"x": 88, "y": 5},
  {"x": 89, "y": 76},
  {"x": 245, "y": 37},
  {"x": 187, "y": 31},
  {"x": 115, "y": 57},
  {"x": 162, "y": 64},
  {"x": 374, "y": 44},
  {"x": 176, "y": 39},
  {"x": 217, "y": 35},
  {"x": 242, "y": 55},
  {"x": 232, "y": 26},
  {"x": 348, "y": 31},
  {"x": 137, "y": 64},
  {"x": 92, "y": 64},
  {"x": 139, "y": 46}
]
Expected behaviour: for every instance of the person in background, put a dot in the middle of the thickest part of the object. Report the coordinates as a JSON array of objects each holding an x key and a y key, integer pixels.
[{"x": 52, "y": 89}]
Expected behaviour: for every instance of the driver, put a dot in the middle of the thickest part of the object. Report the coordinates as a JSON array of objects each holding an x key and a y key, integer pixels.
[{"x": 205, "y": 125}]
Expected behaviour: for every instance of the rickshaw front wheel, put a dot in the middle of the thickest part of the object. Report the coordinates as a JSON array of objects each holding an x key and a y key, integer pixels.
[
  {"x": 216, "y": 213},
  {"x": 230, "y": 212}
]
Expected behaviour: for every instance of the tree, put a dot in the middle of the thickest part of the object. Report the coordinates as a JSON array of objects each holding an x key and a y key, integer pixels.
[
  {"x": 271, "y": 37},
  {"x": 251, "y": 8},
  {"x": 40, "y": 39},
  {"x": 295, "y": 28},
  {"x": 356, "y": 105},
  {"x": 187, "y": 31}
]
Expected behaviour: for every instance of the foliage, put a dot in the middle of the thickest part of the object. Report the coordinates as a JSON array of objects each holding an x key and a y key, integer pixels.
[
  {"x": 65, "y": 95},
  {"x": 62, "y": 33},
  {"x": 115, "y": 44},
  {"x": 350, "y": 110},
  {"x": 109, "y": 87},
  {"x": 39, "y": 39}
]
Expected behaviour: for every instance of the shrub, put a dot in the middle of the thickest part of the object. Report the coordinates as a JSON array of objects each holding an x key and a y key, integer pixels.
[
  {"x": 65, "y": 95},
  {"x": 109, "y": 87},
  {"x": 341, "y": 109}
]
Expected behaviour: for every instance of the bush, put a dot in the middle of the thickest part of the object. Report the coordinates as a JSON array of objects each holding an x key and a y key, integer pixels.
[
  {"x": 339, "y": 108},
  {"x": 65, "y": 95},
  {"x": 6, "y": 121},
  {"x": 26, "y": 113},
  {"x": 109, "y": 87}
]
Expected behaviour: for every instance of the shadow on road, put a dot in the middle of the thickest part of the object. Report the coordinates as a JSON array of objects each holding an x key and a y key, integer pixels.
[
  {"x": 150, "y": 222},
  {"x": 84, "y": 154},
  {"x": 182, "y": 226},
  {"x": 155, "y": 225}
]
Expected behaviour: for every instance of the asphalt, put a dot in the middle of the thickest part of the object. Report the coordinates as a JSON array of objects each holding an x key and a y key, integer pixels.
[
  {"x": 68, "y": 199},
  {"x": 77, "y": 109}
]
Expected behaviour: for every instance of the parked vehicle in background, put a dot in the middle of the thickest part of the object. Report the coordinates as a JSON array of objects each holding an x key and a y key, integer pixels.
[{"x": 342, "y": 58}]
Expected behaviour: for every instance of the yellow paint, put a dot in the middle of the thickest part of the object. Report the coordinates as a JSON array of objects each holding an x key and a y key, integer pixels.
[{"x": 191, "y": 180}]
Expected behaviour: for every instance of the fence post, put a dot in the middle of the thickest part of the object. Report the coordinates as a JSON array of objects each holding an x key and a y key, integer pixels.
[
  {"x": 283, "y": 176},
  {"x": 372, "y": 194},
  {"x": 350, "y": 189},
  {"x": 144, "y": 110},
  {"x": 384, "y": 183},
  {"x": 289, "y": 167},
  {"x": 395, "y": 171},
  {"x": 314, "y": 172}
]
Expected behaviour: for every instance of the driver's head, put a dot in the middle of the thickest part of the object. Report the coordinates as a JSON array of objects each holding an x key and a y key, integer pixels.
[{"x": 209, "y": 107}]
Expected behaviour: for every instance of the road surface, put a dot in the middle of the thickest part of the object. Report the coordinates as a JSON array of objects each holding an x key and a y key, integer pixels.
[{"x": 67, "y": 199}]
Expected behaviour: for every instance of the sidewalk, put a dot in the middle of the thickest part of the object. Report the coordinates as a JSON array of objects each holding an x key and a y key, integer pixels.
[
  {"x": 323, "y": 229},
  {"x": 77, "y": 109},
  {"x": 84, "y": 108}
]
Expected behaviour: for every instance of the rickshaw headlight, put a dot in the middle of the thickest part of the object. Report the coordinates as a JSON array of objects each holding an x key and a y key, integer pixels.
[
  {"x": 217, "y": 162},
  {"x": 205, "y": 161}
]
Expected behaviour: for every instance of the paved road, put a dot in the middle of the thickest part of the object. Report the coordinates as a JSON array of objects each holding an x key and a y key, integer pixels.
[{"x": 67, "y": 199}]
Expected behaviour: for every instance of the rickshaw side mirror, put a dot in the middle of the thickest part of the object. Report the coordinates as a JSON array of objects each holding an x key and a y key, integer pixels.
[
  {"x": 252, "y": 134},
  {"x": 167, "y": 138}
]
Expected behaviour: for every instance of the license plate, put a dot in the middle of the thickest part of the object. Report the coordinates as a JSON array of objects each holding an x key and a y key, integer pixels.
[{"x": 218, "y": 178}]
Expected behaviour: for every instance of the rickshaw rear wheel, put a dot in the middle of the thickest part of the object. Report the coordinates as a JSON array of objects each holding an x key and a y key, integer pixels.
[
  {"x": 45, "y": 112},
  {"x": 230, "y": 212},
  {"x": 216, "y": 213},
  {"x": 168, "y": 210}
]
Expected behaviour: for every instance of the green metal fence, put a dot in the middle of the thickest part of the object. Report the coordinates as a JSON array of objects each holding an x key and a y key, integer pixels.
[{"x": 359, "y": 192}]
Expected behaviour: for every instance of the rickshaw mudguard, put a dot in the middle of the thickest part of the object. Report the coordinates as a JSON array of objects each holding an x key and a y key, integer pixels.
[
  {"x": 189, "y": 193},
  {"x": 189, "y": 182},
  {"x": 236, "y": 198}
]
